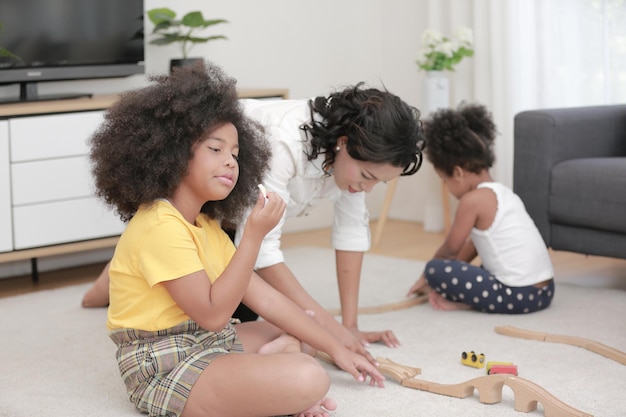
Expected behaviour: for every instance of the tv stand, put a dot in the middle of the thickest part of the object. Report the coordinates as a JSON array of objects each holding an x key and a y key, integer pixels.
[{"x": 29, "y": 92}]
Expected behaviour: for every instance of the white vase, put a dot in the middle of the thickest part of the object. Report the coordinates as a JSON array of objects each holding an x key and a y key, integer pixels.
[
  {"x": 436, "y": 92},
  {"x": 436, "y": 96}
]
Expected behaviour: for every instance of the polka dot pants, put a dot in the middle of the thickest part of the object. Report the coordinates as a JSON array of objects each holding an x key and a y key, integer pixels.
[{"x": 465, "y": 283}]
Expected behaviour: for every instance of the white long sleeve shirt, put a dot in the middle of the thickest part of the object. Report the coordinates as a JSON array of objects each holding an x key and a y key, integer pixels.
[{"x": 302, "y": 183}]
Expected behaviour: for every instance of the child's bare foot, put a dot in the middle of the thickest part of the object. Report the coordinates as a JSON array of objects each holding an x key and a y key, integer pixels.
[
  {"x": 98, "y": 294},
  {"x": 319, "y": 409},
  {"x": 440, "y": 303},
  {"x": 286, "y": 343},
  {"x": 282, "y": 344}
]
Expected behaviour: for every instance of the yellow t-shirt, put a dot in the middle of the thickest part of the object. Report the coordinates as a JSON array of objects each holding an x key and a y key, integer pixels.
[{"x": 160, "y": 245}]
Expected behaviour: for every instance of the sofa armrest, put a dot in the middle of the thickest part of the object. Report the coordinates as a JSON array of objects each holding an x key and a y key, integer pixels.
[{"x": 543, "y": 138}]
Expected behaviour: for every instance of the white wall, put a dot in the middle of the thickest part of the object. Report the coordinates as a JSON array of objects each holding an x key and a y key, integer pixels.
[{"x": 311, "y": 48}]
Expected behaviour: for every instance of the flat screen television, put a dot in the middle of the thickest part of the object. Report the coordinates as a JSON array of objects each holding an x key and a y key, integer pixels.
[{"x": 60, "y": 40}]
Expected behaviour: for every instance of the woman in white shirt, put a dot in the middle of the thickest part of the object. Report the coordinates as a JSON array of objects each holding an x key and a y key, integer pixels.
[{"x": 329, "y": 148}]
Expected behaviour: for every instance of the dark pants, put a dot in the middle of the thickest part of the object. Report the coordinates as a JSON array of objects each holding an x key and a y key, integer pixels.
[
  {"x": 472, "y": 285},
  {"x": 242, "y": 313}
]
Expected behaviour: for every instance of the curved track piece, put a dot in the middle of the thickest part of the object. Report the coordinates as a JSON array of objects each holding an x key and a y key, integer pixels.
[
  {"x": 396, "y": 371},
  {"x": 588, "y": 344},
  {"x": 384, "y": 308},
  {"x": 527, "y": 393},
  {"x": 489, "y": 388}
]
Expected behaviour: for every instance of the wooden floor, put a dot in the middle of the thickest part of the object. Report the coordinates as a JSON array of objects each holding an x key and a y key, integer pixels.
[{"x": 399, "y": 239}]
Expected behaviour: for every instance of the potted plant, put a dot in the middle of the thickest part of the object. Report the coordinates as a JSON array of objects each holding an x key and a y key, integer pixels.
[
  {"x": 442, "y": 53},
  {"x": 5, "y": 53},
  {"x": 167, "y": 30}
]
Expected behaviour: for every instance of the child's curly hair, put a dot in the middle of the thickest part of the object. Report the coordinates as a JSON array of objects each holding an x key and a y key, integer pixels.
[
  {"x": 463, "y": 137},
  {"x": 380, "y": 127},
  {"x": 142, "y": 150}
]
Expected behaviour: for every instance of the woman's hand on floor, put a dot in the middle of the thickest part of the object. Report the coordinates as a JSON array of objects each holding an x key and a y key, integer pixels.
[{"x": 385, "y": 336}]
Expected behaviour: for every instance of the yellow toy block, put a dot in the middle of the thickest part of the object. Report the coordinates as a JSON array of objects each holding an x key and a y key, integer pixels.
[{"x": 473, "y": 359}]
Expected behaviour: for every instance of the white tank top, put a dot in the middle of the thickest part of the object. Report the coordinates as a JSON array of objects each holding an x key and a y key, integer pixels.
[{"x": 512, "y": 248}]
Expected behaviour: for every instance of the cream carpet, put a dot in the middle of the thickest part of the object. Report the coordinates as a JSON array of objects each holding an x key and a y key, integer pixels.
[{"x": 57, "y": 360}]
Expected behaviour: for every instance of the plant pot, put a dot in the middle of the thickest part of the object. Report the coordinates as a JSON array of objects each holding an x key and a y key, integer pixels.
[
  {"x": 436, "y": 96},
  {"x": 436, "y": 92},
  {"x": 174, "y": 63}
]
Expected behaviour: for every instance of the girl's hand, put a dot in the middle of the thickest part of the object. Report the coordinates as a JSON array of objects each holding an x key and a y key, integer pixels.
[
  {"x": 351, "y": 342},
  {"x": 359, "y": 367},
  {"x": 266, "y": 213}
]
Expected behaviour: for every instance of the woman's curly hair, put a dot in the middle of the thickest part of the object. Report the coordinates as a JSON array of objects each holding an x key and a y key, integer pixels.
[
  {"x": 142, "y": 150},
  {"x": 380, "y": 127},
  {"x": 463, "y": 137}
]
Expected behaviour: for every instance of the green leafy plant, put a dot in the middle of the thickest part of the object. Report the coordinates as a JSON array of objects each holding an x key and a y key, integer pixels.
[
  {"x": 168, "y": 29},
  {"x": 441, "y": 53},
  {"x": 4, "y": 52}
]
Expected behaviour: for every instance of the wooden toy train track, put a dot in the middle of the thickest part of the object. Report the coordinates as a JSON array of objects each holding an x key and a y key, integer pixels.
[
  {"x": 384, "y": 308},
  {"x": 582, "y": 342},
  {"x": 527, "y": 393},
  {"x": 489, "y": 387}
]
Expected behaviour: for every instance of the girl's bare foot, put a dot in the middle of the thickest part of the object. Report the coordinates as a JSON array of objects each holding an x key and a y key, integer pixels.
[
  {"x": 98, "y": 294},
  {"x": 287, "y": 343},
  {"x": 282, "y": 344},
  {"x": 319, "y": 409},
  {"x": 440, "y": 303}
]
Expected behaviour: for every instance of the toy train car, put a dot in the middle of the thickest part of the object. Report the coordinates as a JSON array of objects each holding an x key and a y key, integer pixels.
[
  {"x": 473, "y": 359},
  {"x": 501, "y": 368}
]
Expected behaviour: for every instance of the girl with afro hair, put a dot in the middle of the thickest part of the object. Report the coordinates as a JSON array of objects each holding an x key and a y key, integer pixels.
[
  {"x": 177, "y": 159},
  {"x": 490, "y": 222}
]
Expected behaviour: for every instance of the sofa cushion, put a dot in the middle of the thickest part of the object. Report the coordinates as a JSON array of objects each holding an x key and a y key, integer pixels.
[{"x": 589, "y": 192}]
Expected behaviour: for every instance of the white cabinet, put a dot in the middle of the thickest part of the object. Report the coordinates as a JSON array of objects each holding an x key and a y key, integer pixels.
[
  {"x": 50, "y": 191},
  {"x": 52, "y": 136},
  {"x": 63, "y": 221},
  {"x": 6, "y": 233}
]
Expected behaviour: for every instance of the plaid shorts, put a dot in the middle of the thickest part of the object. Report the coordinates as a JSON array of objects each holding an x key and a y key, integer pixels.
[{"x": 159, "y": 368}]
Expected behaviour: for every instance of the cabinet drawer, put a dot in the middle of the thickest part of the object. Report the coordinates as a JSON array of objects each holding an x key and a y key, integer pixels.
[
  {"x": 51, "y": 180},
  {"x": 52, "y": 136},
  {"x": 6, "y": 234},
  {"x": 63, "y": 222}
]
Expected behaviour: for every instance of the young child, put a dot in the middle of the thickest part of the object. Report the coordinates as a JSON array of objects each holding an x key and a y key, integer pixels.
[
  {"x": 490, "y": 222},
  {"x": 177, "y": 158}
]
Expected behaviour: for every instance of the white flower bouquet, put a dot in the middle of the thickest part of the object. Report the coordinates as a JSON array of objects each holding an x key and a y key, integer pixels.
[{"x": 441, "y": 53}]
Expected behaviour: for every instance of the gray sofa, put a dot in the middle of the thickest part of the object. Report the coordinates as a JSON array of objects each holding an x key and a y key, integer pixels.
[{"x": 570, "y": 172}]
